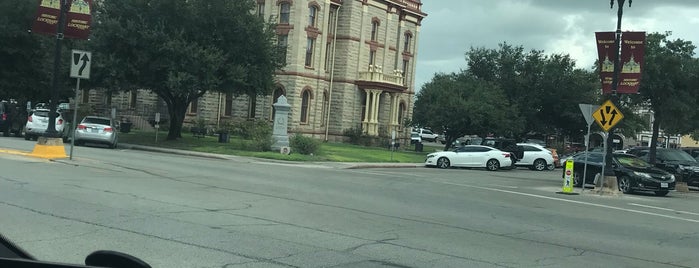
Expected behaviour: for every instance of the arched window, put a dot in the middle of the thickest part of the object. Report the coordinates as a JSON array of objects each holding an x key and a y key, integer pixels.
[
  {"x": 407, "y": 42},
  {"x": 277, "y": 93},
  {"x": 312, "y": 12},
  {"x": 305, "y": 105},
  {"x": 374, "y": 29},
  {"x": 284, "y": 10}
]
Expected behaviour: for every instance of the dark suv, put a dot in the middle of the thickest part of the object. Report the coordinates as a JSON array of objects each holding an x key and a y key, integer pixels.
[
  {"x": 505, "y": 145},
  {"x": 678, "y": 162},
  {"x": 11, "y": 119}
]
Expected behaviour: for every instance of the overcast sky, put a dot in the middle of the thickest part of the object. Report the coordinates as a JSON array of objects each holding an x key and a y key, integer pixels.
[{"x": 452, "y": 27}]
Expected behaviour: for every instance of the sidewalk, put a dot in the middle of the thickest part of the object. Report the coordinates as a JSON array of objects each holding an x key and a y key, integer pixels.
[{"x": 339, "y": 165}]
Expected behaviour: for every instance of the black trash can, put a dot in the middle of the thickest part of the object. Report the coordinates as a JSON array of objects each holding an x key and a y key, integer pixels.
[
  {"x": 125, "y": 127},
  {"x": 224, "y": 137},
  {"x": 418, "y": 147}
]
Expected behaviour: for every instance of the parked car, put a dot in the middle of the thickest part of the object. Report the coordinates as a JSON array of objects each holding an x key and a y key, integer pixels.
[
  {"x": 38, "y": 122},
  {"x": 534, "y": 156},
  {"x": 95, "y": 129},
  {"x": 12, "y": 118},
  {"x": 426, "y": 134},
  {"x": 502, "y": 144},
  {"x": 470, "y": 156},
  {"x": 415, "y": 138},
  {"x": 633, "y": 173},
  {"x": 677, "y": 162}
]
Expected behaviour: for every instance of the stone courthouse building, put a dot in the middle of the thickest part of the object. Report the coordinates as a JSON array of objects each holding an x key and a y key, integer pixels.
[{"x": 350, "y": 64}]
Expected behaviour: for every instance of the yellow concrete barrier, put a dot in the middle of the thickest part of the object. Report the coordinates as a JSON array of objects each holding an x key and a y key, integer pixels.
[{"x": 49, "y": 148}]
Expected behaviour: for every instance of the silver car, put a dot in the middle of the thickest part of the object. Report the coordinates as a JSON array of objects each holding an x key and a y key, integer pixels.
[
  {"x": 95, "y": 129},
  {"x": 38, "y": 122}
]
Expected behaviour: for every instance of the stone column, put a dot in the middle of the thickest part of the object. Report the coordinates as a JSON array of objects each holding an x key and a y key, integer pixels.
[
  {"x": 280, "y": 136},
  {"x": 375, "y": 112}
]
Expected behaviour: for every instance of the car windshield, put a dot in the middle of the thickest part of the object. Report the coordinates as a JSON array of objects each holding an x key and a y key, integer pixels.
[
  {"x": 632, "y": 161},
  {"x": 99, "y": 121},
  {"x": 675, "y": 155}
]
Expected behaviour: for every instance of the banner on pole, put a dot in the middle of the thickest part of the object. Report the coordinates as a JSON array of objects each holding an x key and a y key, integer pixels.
[
  {"x": 633, "y": 45},
  {"x": 46, "y": 19},
  {"x": 78, "y": 19},
  {"x": 606, "y": 49}
]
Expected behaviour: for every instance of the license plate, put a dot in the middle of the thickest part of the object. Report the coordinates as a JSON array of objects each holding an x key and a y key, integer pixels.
[
  {"x": 94, "y": 130},
  {"x": 663, "y": 185}
]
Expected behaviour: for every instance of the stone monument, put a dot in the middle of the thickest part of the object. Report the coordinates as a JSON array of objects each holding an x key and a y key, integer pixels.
[{"x": 280, "y": 136}]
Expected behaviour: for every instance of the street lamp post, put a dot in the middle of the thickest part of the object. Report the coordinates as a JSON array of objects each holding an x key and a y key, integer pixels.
[
  {"x": 51, "y": 129},
  {"x": 608, "y": 169}
]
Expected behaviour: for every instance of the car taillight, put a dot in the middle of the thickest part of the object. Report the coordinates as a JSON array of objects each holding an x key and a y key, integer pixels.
[
  {"x": 506, "y": 155},
  {"x": 4, "y": 116},
  {"x": 108, "y": 129},
  {"x": 60, "y": 121},
  {"x": 82, "y": 127},
  {"x": 29, "y": 118}
]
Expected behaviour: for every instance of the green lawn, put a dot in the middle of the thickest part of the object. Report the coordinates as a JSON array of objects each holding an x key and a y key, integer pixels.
[{"x": 335, "y": 152}]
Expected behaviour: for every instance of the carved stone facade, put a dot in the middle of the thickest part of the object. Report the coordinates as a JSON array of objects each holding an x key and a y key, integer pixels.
[{"x": 350, "y": 63}]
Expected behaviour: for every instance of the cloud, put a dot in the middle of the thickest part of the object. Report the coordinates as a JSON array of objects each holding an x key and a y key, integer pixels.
[{"x": 562, "y": 26}]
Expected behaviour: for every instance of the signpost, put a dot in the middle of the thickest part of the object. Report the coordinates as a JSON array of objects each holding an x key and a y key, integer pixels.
[
  {"x": 587, "y": 110},
  {"x": 79, "y": 69}
]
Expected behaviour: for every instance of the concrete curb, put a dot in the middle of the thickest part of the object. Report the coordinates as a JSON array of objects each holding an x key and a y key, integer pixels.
[{"x": 174, "y": 151}]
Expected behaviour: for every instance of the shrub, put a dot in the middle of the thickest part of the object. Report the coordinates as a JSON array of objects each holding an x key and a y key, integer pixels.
[
  {"x": 304, "y": 145},
  {"x": 356, "y": 136},
  {"x": 252, "y": 129}
]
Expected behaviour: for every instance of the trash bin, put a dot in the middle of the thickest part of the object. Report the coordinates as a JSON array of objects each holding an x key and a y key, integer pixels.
[
  {"x": 125, "y": 127},
  {"x": 223, "y": 137},
  {"x": 418, "y": 147}
]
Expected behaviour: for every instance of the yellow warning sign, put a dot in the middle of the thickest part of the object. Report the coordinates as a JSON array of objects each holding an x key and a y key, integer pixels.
[
  {"x": 607, "y": 116},
  {"x": 568, "y": 177}
]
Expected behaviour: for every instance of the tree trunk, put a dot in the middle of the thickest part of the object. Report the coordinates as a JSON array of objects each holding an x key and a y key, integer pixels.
[
  {"x": 177, "y": 110},
  {"x": 654, "y": 139}
]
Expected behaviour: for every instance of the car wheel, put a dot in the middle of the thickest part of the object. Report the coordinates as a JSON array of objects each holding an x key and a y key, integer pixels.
[
  {"x": 539, "y": 164},
  {"x": 551, "y": 167},
  {"x": 661, "y": 193},
  {"x": 443, "y": 162},
  {"x": 492, "y": 165},
  {"x": 27, "y": 137},
  {"x": 625, "y": 185}
]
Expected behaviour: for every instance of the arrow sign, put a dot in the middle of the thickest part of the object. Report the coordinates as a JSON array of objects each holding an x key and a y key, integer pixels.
[
  {"x": 607, "y": 115},
  {"x": 80, "y": 64}
]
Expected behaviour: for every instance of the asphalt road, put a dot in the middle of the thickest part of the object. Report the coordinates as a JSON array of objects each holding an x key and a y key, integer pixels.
[{"x": 183, "y": 211}]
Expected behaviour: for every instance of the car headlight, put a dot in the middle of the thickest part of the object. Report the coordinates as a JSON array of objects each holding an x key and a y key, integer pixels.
[
  {"x": 642, "y": 175},
  {"x": 672, "y": 178},
  {"x": 430, "y": 156}
]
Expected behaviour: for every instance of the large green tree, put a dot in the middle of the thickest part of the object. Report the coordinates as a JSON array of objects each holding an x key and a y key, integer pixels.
[
  {"x": 181, "y": 50},
  {"x": 26, "y": 59},
  {"x": 669, "y": 86},
  {"x": 546, "y": 88},
  {"x": 459, "y": 104}
]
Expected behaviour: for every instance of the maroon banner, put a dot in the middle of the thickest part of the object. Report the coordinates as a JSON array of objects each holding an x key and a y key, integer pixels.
[
  {"x": 606, "y": 49},
  {"x": 633, "y": 45},
  {"x": 78, "y": 19},
  {"x": 46, "y": 20}
]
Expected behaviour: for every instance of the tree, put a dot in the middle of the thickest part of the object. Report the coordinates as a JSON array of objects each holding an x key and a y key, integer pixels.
[
  {"x": 459, "y": 104},
  {"x": 25, "y": 72},
  {"x": 669, "y": 86},
  {"x": 546, "y": 88},
  {"x": 181, "y": 50}
]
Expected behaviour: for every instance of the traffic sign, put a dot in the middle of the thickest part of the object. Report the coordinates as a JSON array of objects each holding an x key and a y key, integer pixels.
[
  {"x": 80, "y": 64},
  {"x": 607, "y": 116}
]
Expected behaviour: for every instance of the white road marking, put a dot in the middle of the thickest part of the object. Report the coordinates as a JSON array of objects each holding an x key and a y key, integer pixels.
[
  {"x": 503, "y": 186},
  {"x": 572, "y": 201},
  {"x": 665, "y": 209}
]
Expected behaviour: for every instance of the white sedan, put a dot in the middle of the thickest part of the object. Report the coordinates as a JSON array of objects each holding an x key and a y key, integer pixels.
[
  {"x": 535, "y": 156},
  {"x": 470, "y": 156}
]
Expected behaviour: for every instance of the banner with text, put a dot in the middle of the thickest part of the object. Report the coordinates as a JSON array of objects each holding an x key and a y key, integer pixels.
[
  {"x": 633, "y": 46},
  {"x": 78, "y": 19},
  {"x": 606, "y": 49},
  {"x": 46, "y": 19}
]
